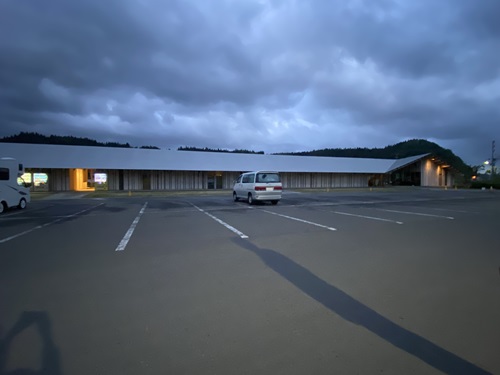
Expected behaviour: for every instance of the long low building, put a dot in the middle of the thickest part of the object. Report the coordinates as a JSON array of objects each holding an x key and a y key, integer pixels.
[{"x": 66, "y": 168}]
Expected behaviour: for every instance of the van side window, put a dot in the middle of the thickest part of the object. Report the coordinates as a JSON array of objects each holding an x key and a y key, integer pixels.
[
  {"x": 238, "y": 180},
  {"x": 246, "y": 179},
  {"x": 4, "y": 174}
]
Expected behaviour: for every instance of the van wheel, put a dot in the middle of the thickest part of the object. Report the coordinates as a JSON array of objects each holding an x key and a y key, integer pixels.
[
  {"x": 274, "y": 202},
  {"x": 250, "y": 199},
  {"x": 235, "y": 197},
  {"x": 3, "y": 207},
  {"x": 22, "y": 204}
]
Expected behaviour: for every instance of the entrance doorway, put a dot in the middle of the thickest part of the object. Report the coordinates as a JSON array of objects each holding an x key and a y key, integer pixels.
[
  {"x": 81, "y": 179},
  {"x": 146, "y": 181},
  {"x": 214, "y": 180}
]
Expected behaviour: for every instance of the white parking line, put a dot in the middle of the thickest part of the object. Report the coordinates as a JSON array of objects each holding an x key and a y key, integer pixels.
[
  {"x": 451, "y": 210},
  {"x": 367, "y": 217},
  {"x": 233, "y": 229},
  {"x": 416, "y": 213},
  {"x": 47, "y": 224},
  {"x": 301, "y": 220},
  {"x": 126, "y": 238},
  {"x": 9, "y": 214}
]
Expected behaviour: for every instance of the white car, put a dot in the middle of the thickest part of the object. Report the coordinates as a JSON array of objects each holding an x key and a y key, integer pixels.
[{"x": 258, "y": 186}]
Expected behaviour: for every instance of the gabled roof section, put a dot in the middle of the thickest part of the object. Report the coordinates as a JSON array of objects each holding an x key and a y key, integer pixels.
[
  {"x": 91, "y": 157},
  {"x": 401, "y": 163}
]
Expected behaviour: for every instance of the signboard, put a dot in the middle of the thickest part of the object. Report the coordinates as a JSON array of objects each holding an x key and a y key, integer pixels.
[
  {"x": 26, "y": 177},
  {"x": 100, "y": 178},
  {"x": 40, "y": 178}
]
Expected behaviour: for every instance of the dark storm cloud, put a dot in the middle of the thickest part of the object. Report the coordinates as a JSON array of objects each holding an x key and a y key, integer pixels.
[{"x": 269, "y": 75}]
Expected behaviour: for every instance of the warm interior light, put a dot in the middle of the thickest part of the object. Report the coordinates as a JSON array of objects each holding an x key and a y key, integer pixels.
[{"x": 80, "y": 180}]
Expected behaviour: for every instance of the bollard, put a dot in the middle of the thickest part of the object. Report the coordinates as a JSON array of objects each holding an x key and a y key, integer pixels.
[{"x": 129, "y": 193}]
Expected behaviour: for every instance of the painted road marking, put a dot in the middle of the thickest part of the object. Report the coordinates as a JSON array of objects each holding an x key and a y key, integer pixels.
[
  {"x": 10, "y": 215},
  {"x": 367, "y": 217},
  {"x": 415, "y": 213},
  {"x": 126, "y": 238},
  {"x": 47, "y": 224},
  {"x": 301, "y": 220},
  {"x": 233, "y": 229},
  {"x": 452, "y": 210}
]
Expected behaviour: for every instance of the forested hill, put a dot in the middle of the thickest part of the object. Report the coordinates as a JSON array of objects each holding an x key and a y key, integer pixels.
[
  {"x": 35, "y": 138},
  {"x": 400, "y": 150}
]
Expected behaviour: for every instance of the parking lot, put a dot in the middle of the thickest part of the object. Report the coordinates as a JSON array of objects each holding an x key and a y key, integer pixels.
[{"x": 392, "y": 281}]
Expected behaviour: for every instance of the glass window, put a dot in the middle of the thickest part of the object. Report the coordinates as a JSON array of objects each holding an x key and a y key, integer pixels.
[
  {"x": 268, "y": 177},
  {"x": 40, "y": 179},
  {"x": 248, "y": 178},
  {"x": 4, "y": 174},
  {"x": 24, "y": 180},
  {"x": 27, "y": 177},
  {"x": 100, "y": 178},
  {"x": 101, "y": 181}
]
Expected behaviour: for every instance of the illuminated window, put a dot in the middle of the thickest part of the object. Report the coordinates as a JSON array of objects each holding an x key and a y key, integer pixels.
[
  {"x": 24, "y": 180},
  {"x": 40, "y": 179},
  {"x": 100, "y": 178}
]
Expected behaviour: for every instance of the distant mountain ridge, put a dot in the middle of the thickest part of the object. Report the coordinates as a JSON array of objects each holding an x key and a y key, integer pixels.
[{"x": 400, "y": 150}]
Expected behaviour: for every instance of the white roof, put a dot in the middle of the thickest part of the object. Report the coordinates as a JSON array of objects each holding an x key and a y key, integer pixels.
[
  {"x": 91, "y": 157},
  {"x": 400, "y": 163}
]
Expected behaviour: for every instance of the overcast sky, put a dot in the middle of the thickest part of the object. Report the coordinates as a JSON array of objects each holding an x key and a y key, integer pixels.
[{"x": 265, "y": 75}]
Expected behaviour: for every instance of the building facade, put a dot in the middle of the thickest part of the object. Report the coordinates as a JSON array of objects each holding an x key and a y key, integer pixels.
[{"x": 84, "y": 168}]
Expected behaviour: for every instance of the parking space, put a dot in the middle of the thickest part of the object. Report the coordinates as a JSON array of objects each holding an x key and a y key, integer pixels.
[{"x": 395, "y": 281}]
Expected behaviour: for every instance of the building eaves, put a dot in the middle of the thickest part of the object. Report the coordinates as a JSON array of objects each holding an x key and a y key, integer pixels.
[{"x": 401, "y": 163}]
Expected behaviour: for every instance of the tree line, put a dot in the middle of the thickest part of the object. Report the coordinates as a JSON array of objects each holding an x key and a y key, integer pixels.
[
  {"x": 36, "y": 138},
  {"x": 206, "y": 149}
]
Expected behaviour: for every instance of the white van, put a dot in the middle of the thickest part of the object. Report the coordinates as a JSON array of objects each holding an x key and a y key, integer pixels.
[
  {"x": 13, "y": 190},
  {"x": 258, "y": 186}
]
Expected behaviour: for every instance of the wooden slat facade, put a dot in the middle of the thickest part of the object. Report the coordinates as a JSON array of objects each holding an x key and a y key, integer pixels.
[{"x": 138, "y": 180}]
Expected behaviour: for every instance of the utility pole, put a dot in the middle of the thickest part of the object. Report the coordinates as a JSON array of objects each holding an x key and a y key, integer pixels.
[{"x": 493, "y": 160}]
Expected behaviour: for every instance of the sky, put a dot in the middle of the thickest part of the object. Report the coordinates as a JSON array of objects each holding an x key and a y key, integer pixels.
[{"x": 262, "y": 75}]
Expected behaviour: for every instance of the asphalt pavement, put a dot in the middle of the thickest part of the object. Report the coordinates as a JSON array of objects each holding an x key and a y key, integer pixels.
[{"x": 392, "y": 281}]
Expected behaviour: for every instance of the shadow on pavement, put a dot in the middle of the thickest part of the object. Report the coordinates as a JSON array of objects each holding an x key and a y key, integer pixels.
[
  {"x": 50, "y": 354},
  {"x": 356, "y": 312}
]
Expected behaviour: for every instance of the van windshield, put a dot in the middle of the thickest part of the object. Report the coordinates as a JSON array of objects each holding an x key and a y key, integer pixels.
[{"x": 268, "y": 177}]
